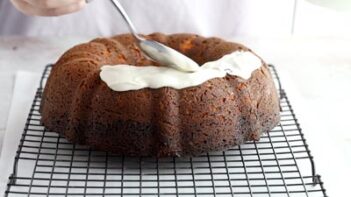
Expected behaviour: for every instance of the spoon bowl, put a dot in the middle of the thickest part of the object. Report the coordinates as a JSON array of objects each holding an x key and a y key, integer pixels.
[{"x": 168, "y": 56}]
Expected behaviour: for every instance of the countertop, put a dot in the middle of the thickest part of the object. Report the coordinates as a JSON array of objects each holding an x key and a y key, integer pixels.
[{"x": 316, "y": 74}]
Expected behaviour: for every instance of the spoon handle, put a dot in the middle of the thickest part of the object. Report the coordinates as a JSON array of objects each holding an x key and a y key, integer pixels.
[{"x": 127, "y": 19}]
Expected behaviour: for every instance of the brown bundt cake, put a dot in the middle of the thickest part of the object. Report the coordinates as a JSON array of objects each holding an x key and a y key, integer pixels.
[{"x": 216, "y": 115}]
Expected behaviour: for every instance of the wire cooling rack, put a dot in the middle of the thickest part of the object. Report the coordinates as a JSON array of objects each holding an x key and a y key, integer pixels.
[{"x": 280, "y": 164}]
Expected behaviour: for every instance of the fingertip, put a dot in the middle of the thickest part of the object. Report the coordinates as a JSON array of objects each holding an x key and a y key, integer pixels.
[
  {"x": 30, "y": 10},
  {"x": 66, "y": 10}
]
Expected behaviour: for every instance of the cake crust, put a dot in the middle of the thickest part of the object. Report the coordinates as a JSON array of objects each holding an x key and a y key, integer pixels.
[{"x": 215, "y": 115}]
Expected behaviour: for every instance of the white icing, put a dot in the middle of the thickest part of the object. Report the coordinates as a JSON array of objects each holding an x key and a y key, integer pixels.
[{"x": 129, "y": 77}]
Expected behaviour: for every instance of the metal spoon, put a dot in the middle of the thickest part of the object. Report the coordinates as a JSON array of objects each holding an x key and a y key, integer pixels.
[{"x": 157, "y": 51}]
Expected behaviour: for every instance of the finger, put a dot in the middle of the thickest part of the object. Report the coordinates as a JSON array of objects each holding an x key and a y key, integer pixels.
[
  {"x": 47, "y": 4},
  {"x": 31, "y": 10},
  {"x": 62, "y": 10},
  {"x": 23, "y": 7}
]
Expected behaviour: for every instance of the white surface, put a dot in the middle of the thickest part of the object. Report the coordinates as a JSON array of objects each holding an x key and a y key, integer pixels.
[
  {"x": 319, "y": 71},
  {"x": 24, "y": 91},
  {"x": 5, "y": 95}
]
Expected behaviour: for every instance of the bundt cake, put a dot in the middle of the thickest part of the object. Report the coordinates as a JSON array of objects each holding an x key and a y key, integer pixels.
[{"x": 214, "y": 115}]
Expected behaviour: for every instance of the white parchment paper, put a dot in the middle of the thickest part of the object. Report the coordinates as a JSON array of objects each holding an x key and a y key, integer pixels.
[{"x": 25, "y": 87}]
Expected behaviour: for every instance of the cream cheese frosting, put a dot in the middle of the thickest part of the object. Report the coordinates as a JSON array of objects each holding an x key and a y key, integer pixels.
[{"x": 129, "y": 77}]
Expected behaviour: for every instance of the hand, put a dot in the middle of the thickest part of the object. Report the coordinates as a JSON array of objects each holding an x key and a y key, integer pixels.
[{"x": 48, "y": 7}]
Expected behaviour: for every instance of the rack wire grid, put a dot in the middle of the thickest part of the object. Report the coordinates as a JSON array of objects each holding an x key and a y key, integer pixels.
[{"x": 280, "y": 164}]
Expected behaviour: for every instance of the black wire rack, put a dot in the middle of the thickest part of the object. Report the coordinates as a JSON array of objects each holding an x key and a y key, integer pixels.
[{"x": 280, "y": 164}]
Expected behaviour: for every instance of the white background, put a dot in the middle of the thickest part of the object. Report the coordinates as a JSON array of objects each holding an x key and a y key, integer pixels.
[{"x": 224, "y": 18}]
